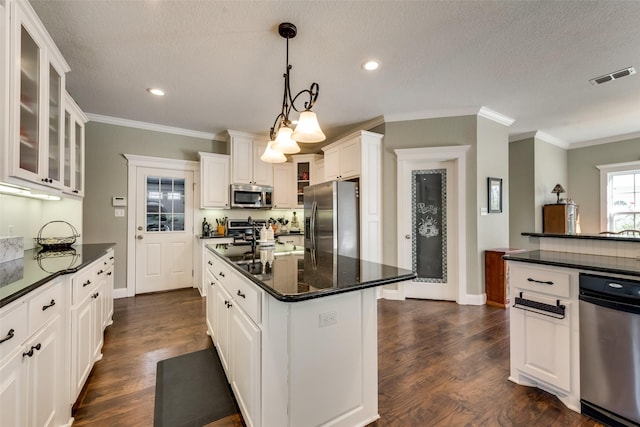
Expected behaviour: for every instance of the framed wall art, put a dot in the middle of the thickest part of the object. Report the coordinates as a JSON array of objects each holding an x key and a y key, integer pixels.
[{"x": 495, "y": 194}]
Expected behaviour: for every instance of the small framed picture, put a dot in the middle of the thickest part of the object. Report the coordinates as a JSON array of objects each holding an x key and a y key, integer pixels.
[{"x": 495, "y": 194}]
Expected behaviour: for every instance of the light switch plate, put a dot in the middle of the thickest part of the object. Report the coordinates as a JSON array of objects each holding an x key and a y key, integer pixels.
[{"x": 119, "y": 212}]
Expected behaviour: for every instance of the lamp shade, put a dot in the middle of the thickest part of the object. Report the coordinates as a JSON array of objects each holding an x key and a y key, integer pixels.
[
  {"x": 308, "y": 129},
  {"x": 272, "y": 156},
  {"x": 558, "y": 189},
  {"x": 283, "y": 142}
]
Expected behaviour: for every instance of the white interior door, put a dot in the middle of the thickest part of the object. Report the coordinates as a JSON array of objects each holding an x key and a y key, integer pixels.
[{"x": 164, "y": 229}]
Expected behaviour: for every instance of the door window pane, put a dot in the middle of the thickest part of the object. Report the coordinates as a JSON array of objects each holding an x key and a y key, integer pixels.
[
  {"x": 429, "y": 225},
  {"x": 165, "y": 204}
]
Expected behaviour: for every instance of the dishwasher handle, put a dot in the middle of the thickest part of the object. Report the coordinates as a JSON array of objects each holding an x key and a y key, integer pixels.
[{"x": 608, "y": 302}]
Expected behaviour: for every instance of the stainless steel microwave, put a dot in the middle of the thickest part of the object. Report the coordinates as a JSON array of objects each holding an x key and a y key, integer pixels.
[{"x": 251, "y": 196}]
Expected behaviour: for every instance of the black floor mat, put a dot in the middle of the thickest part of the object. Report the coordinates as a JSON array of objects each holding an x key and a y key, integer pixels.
[{"x": 192, "y": 390}]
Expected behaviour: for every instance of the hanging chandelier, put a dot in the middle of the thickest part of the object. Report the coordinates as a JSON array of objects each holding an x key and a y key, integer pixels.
[{"x": 283, "y": 138}]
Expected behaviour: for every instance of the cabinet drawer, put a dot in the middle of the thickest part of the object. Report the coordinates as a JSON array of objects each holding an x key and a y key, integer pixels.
[
  {"x": 45, "y": 306},
  {"x": 106, "y": 261},
  {"x": 247, "y": 296},
  {"x": 13, "y": 327},
  {"x": 83, "y": 284},
  {"x": 219, "y": 270},
  {"x": 538, "y": 279}
]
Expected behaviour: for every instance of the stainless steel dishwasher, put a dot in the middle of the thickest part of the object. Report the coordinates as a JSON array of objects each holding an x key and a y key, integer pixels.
[{"x": 610, "y": 349}]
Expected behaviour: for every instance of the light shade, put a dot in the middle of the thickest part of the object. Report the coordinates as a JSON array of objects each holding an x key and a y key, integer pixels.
[
  {"x": 558, "y": 189},
  {"x": 283, "y": 142},
  {"x": 272, "y": 156},
  {"x": 308, "y": 129}
]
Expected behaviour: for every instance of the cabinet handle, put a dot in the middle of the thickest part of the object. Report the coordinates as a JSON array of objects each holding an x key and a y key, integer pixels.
[
  {"x": 221, "y": 274},
  {"x": 51, "y": 304},
  {"x": 212, "y": 283},
  {"x": 209, "y": 262},
  {"x": 87, "y": 283},
  {"x": 100, "y": 272},
  {"x": 96, "y": 295},
  {"x": 10, "y": 335},
  {"x": 30, "y": 352},
  {"x": 542, "y": 282},
  {"x": 228, "y": 304},
  {"x": 111, "y": 257},
  {"x": 109, "y": 273},
  {"x": 240, "y": 294},
  {"x": 76, "y": 191}
]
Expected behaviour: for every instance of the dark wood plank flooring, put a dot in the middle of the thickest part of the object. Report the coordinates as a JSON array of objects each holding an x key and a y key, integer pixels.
[{"x": 440, "y": 364}]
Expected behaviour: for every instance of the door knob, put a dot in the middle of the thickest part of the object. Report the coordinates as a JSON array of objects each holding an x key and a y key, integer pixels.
[
  {"x": 140, "y": 227},
  {"x": 407, "y": 236},
  {"x": 139, "y": 237}
]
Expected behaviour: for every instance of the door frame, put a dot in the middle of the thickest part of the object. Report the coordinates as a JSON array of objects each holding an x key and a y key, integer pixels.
[
  {"x": 134, "y": 162},
  {"x": 456, "y": 153}
]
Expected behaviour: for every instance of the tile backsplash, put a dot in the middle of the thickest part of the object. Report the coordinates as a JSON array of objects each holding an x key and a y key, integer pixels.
[{"x": 11, "y": 248}]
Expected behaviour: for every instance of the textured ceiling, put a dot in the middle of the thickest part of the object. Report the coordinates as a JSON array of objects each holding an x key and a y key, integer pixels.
[{"x": 221, "y": 62}]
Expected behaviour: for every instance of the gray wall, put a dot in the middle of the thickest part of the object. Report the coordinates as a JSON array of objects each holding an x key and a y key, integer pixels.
[
  {"x": 522, "y": 207},
  {"x": 535, "y": 167},
  {"x": 432, "y": 133},
  {"x": 584, "y": 177},
  {"x": 106, "y": 176},
  {"x": 492, "y": 161}
]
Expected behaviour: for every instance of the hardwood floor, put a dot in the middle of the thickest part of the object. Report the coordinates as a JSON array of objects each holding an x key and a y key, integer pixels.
[{"x": 440, "y": 364}]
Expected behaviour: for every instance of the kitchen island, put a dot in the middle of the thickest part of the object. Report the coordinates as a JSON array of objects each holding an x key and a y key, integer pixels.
[{"x": 297, "y": 333}]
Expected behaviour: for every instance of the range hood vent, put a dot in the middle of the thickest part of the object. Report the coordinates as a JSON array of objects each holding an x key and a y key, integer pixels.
[{"x": 613, "y": 76}]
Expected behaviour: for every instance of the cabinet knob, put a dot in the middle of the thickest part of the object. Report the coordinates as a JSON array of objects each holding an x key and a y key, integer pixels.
[
  {"x": 139, "y": 237},
  {"x": 140, "y": 228},
  {"x": 51, "y": 304},
  {"x": 407, "y": 236}
]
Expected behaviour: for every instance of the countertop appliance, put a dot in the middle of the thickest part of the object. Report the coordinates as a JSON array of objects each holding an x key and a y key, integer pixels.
[
  {"x": 610, "y": 349},
  {"x": 251, "y": 196},
  {"x": 244, "y": 230}
]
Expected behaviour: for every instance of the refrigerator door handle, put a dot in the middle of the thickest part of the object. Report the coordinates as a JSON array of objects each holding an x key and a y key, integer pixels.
[{"x": 314, "y": 212}]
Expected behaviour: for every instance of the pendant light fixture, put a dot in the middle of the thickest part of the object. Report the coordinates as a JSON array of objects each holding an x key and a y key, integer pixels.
[{"x": 283, "y": 138}]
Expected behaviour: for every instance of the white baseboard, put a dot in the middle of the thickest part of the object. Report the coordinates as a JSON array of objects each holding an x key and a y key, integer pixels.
[
  {"x": 120, "y": 293},
  {"x": 391, "y": 294},
  {"x": 469, "y": 299}
]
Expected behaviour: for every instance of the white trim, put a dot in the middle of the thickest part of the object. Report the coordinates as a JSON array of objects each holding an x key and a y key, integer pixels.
[
  {"x": 605, "y": 170},
  {"x": 606, "y": 140},
  {"x": 431, "y": 114},
  {"x": 488, "y": 113},
  {"x": 391, "y": 294},
  {"x": 470, "y": 299},
  {"x": 154, "y": 127},
  {"x": 543, "y": 136},
  {"x": 133, "y": 163},
  {"x": 456, "y": 153},
  {"x": 120, "y": 293}
]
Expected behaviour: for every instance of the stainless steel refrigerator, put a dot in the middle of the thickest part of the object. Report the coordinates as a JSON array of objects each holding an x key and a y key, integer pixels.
[{"x": 331, "y": 232}]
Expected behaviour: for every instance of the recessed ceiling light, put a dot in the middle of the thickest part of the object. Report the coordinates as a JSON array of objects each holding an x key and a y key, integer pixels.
[
  {"x": 155, "y": 91},
  {"x": 371, "y": 65}
]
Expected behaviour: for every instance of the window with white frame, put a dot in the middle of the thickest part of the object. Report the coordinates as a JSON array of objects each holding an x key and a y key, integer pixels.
[{"x": 620, "y": 196}]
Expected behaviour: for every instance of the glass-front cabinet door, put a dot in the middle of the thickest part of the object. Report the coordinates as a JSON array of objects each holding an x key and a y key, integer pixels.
[
  {"x": 29, "y": 112},
  {"x": 73, "y": 147},
  {"x": 55, "y": 125},
  {"x": 37, "y": 73}
]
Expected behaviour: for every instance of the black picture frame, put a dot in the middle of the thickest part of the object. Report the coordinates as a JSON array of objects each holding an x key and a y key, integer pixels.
[{"x": 494, "y": 190}]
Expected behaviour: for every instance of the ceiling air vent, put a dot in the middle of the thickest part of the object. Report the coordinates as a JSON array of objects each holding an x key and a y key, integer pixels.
[{"x": 613, "y": 76}]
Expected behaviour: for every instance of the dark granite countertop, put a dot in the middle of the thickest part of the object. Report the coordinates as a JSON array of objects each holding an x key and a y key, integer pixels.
[
  {"x": 291, "y": 275},
  {"x": 586, "y": 236},
  {"x": 606, "y": 264},
  {"x": 23, "y": 275}
]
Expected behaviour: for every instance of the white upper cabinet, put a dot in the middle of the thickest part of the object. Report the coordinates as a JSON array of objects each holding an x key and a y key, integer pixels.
[
  {"x": 283, "y": 186},
  {"x": 342, "y": 161},
  {"x": 246, "y": 166},
  {"x": 73, "y": 148},
  {"x": 306, "y": 174},
  {"x": 214, "y": 180},
  {"x": 34, "y": 124}
]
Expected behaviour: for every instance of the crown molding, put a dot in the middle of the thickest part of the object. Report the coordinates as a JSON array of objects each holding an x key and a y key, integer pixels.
[
  {"x": 550, "y": 139},
  {"x": 607, "y": 140},
  {"x": 430, "y": 114},
  {"x": 153, "y": 127},
  {"x": 490, "y": 114}
]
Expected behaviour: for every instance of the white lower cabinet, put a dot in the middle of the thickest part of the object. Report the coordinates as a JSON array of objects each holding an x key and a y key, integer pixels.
[
  {"x": 91, "y": 310},
  {"x": 267, "y": 347},
  {"x": 32, "y": 369},
  {"x": 544, "y": 344}
]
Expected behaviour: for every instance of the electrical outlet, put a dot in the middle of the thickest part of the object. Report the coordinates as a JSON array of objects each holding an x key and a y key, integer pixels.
[{"x": 329, "y": 318}]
